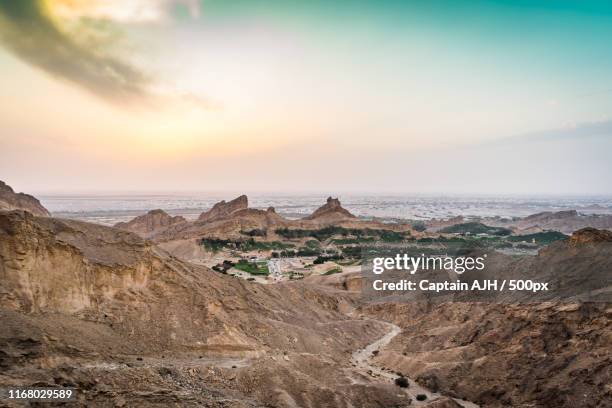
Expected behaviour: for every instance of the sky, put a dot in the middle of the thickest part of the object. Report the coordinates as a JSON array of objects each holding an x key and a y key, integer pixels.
[{"x": 486, "y": 97}]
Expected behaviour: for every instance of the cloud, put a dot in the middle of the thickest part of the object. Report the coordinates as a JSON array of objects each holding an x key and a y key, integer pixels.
[
  {"x": 126, "y": 11},
  {"x": 579, "y": 131},
  {"x": 29, "y": 30}
]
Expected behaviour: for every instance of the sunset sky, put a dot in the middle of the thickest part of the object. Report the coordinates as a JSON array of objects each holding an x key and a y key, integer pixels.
[{"x": 290, "y": 96}]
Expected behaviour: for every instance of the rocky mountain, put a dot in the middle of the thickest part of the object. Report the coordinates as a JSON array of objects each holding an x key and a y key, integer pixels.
[
  {"x": 9, "y": 200},
  {"x": 114, "y": 315},
  {"x": 577, "y": 269},
  {"x": 590, "y": 236},
  {"x": 331, "y": 210},
  {"x": 105, "y": 311},
  {"x": 530, "y": 350},
  {"x": 150, "y": 223},
  {"x": 566, "y": 222},
  {"x": 504, "y": 355},
  {"x": 224, "y": 209},
  {"x": 563, "y": 221},
  {"x": 227, "y": 227},
  {"x": 231, "y": 220}
]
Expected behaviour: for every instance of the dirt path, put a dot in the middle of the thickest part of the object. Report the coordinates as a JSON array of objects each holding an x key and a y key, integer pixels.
[{"x": 361, "y": 359}]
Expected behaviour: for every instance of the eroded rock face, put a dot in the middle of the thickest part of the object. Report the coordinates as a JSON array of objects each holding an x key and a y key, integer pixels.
[
  {"x": 224, "y": 209},
  {"x": 590, "y": 236},
  {"x": 331, "y": 209},
  {"x": 9, "y": 200},
  {"x": 532, "y": 355},
  {"x": 227, "y": 220},
  {"x": 150, "y": 223},
  {"x": 98, "y": 308}
]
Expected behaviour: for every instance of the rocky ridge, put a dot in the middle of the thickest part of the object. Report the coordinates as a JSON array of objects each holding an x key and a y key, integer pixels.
[
  {"x": 150, "y": 223},
  {"x": 224, "y": 209},
  {"x": 226, "y": 220},
  {"x": 590, "y": 236},
  {"x": 96, "y": 308},
  {"x": 331, "y": 210},
  {"x": 566, "y": 222},
  {"x": 9, "y": 200}
]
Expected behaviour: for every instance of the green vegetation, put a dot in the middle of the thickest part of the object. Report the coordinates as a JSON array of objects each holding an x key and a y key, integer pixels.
[
  {"x": 251, "y": 245},
  {"x": 349, "y": 262},
  {"x": 313, "y": 243},
  {"x": 333, "y": 271},
  {"x": 252, "y": 267},
  {"x": 328, "y": 232},
  {"x": 255, "y": 232},
  {"x": 303, "y": 251},
  {"x": 223, "y": 267},
  {"x": 349, "y": 241},
  {"x": 541, "y": 238},
  {"x": 215, "y": 244},
  {"x": 496, "y": 241},
  {"x": 442, "y": 240},
  {"x": 296, "y": 275},
  {"x": 308, "y": 252},
  {"x": 419, "y": 226},
  {"x": 391, "y": 236},
  {"x": 324, "y": 258},
  {"x": 475, "y": 228},
  {"x": 351, "y": 252}
]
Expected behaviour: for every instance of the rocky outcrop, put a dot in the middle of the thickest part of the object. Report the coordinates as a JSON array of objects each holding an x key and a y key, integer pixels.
[
  {"x": 500, "y": 355},
  {"x": 226, "y": 227},
  {"x": 590, "y": 236},
  {"x": 224, "y": 209},
  {"x": 331, "y": 210},
  {"x": 9, "y": 200},
  {"x": 563, "y": 221},
  {"x": 150, "y": 223}
]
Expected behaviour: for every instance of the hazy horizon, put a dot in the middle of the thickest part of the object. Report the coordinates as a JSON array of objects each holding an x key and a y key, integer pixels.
[
  {"x": 230, "y": 193},
  {"x": 379, "y": 97}
]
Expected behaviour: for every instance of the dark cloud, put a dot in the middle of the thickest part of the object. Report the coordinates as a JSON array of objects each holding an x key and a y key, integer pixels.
[{"x": 27, "y": 31}]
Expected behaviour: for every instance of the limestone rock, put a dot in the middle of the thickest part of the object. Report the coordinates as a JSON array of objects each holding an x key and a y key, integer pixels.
[
  {"x": 332, "y": 209},
  {"x": 223, "y": 209},
  {"x": 150, "y": 223},
  {"x": 9, "y": 200}
]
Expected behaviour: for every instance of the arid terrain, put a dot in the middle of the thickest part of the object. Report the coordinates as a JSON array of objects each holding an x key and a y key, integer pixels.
[{"x": 245, "y": 308}]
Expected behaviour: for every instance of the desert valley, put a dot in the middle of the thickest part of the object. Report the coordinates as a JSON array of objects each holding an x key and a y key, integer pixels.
[
  {"x": 306, "y": 204},
  {"x": 245, "y": 308}
]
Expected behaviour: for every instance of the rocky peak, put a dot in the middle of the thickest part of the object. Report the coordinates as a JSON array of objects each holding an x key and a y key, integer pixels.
[
  {"x": 5, "y": 188},
  {"x": 9, "y": 200},
  {"x": 331, "y": 209},
  {"x": 590, "y": 236},
  {"x": 151, "y": 222},
  {"x": 223, "y": 209}
]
